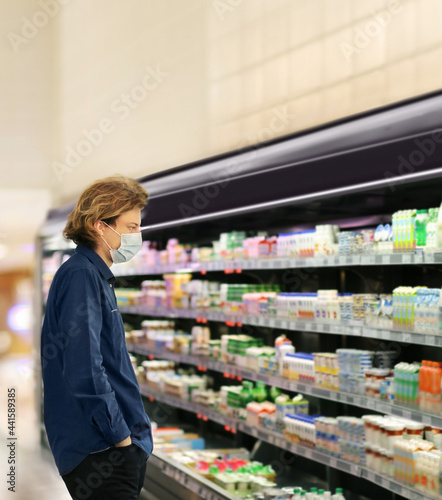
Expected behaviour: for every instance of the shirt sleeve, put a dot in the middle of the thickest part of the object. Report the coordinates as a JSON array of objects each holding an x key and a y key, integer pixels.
[{"x": 79, "y": 311}]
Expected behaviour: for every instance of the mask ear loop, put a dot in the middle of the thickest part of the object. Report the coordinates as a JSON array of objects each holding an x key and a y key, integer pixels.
[
  {"x": 111, "y": 228},
  {"x": 110, "y": 248}
]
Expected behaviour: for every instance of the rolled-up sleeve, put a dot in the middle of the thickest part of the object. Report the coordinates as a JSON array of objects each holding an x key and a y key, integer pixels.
[{"x": 79, "y": 311}]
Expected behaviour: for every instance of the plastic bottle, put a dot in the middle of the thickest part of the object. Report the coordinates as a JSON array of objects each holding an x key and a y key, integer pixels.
[
  {"x": 398, "y": 232},
  {"x": 311, "y": 495},
  {"x": 436, "y": 381},
  {"x": 259, "y": 392},
  {"x": 439, "y": 330},
  {"x": 415, "y": 383},
  {"x": 296, "y": 494},
  {"x": 421, "y": 227},
  {"x": 439, "y": 229},
  {"x": 432, "y": 230},
  {"x": 428, "y": 229},
  {"x": 413, "y": 238},
  {"x": 338, "y": 495},
  {"x": 403, "y": 230},
  {"x": 434, "y": 326},
  {"x": 393, "y": 230},
  {"x": 423, "y": 384}
]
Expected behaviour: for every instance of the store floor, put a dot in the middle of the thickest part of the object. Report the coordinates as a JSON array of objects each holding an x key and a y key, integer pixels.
[{"x": 36, "y": 475}]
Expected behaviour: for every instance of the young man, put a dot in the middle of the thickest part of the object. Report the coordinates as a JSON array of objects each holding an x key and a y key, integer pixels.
[{"x": 97, "y": 428}]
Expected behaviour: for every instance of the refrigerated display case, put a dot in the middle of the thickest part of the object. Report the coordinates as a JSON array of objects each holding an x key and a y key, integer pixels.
[{"x": 354, "y": 173}]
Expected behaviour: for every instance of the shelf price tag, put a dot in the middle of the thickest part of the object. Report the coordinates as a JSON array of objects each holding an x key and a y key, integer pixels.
[
  {"x": 385, "y": 483},
  {"x": 430, "y": 258},
  {"x": 414, "y": 495},
  {"x": 406, "y": 258},
  {"x": 386, "y": 259},
  {"x": 418, "y": 258},
  {"x": 342, "y": 260},
  {"x": 369, "y": 332},
  {"x": 369, "y": 403},
  {"x": 384, "y": 334},
  {"x": 426, "y": 419},
  {"x": 371, "y": 476},
  {"x": 357, "y": 400},
  {"x": 406, "y": 337},
  {"x": 263, "y": 436},
  {"x": 300, "y": 451},
  {"x": 367, "y": 259},
  {"x": 382, "y": 407},
  {"x": 262, "y": 378},
  {"x": 406, "y": 414},
  {"x": 355, "y": 470}
]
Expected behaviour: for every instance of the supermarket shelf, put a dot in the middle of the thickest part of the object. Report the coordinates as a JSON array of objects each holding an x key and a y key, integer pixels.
[
  {"x": 189, "y": 406},
  {"x": 335, "y": 463},
  {"x": 304, "y": 451},
  {"x": 286, "y": 263},
  {"x": 354, "y": 329},
  {"x": 373, "y": 404},
  {"x": 184, "y": 476}
]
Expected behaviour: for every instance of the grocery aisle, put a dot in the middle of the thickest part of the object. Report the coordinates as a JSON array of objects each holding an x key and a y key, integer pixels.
[{"x": 37, "y": 477}]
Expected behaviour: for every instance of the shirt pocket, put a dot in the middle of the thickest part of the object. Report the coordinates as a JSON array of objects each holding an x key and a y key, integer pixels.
[
  {"x": 118, "y": 333},
  {"x": 112, "y": 335}
]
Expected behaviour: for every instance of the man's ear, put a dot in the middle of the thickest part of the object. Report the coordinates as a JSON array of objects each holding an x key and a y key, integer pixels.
[{"x": 98, "y": 225}]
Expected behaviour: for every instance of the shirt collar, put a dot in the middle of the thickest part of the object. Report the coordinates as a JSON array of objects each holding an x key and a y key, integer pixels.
[{"x": 93, "y": 256}]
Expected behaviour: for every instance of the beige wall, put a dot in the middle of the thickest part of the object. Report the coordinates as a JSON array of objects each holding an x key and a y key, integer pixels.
[
  {"x": 26, "y": 128},
  {"x": 238, "y": 72},
  {"x": 26, "y": 97},
  {"x": 106, "y": 51},
  {"x": 321, "y": 59}
]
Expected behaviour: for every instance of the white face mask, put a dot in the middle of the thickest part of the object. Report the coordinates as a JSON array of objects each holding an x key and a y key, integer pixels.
[{"x": 131, "y": 244}]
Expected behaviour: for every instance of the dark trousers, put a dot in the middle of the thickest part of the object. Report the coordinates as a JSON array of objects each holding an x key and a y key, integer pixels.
[{"x": 113, "y": 474}]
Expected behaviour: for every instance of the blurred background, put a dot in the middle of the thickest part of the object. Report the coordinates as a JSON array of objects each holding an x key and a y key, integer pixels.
[{"x": 92, "y": 88}]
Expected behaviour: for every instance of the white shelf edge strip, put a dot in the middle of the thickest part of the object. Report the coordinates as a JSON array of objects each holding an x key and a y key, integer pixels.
[{"x": 375, "y": 259}]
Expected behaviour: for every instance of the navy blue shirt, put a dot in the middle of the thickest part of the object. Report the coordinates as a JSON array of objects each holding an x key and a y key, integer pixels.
[{"x": 91, "y": 395}]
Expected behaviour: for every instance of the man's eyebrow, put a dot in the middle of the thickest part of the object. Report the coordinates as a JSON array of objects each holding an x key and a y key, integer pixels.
[{"x": 135, "y": 223}]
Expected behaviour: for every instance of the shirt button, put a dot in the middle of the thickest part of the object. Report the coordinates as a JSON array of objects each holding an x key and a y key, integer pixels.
[{"x": 110, "y": 285}]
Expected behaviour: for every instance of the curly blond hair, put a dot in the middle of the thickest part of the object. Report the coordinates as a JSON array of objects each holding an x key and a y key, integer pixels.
[{"x": 105, "y": 199}]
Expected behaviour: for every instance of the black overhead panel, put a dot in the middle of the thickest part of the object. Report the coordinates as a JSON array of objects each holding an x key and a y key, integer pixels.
[{"x": 376, "y": 150}]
